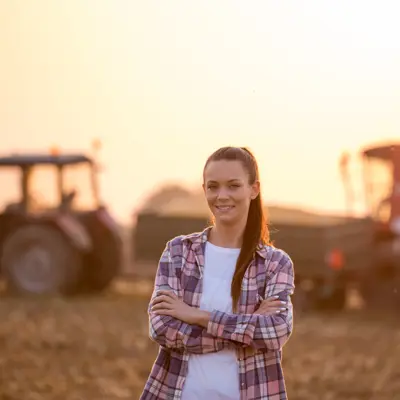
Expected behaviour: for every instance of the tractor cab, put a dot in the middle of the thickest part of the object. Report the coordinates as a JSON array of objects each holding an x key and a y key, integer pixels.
[
  {"x": 56, "y": 237},
  {"x": 53, "y": 182},
  {"x": 381, "y": 166}
]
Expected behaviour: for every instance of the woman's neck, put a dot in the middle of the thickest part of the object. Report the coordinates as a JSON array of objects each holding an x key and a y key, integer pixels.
[{"x": 226, "y": 236}]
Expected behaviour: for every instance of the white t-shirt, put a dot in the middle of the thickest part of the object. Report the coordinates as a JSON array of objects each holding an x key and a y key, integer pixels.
[{"x": 215, "y": 375}]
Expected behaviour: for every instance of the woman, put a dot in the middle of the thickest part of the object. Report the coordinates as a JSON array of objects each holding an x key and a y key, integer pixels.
[{"x": 221, "y": 309}]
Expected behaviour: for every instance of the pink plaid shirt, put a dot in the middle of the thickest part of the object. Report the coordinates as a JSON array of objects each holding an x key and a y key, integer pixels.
[{"x": 258, "y": 339}]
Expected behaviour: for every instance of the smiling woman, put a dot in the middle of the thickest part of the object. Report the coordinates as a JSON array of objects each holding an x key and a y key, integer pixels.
[
  {"x": 221, "y": 307},
  {"x": 227, "y": 190},
  {"x": 232, "y": 186}
]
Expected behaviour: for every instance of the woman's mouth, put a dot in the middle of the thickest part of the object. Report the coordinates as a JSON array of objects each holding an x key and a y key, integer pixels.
[{"x": 224, "y": 208}]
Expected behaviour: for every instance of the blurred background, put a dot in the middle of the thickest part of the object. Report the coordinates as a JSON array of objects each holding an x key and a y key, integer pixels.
[{"x": 108, "y": 111}]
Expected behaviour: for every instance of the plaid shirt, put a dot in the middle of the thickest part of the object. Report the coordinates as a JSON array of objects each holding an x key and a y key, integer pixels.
[{"x": 258, "y": 339}]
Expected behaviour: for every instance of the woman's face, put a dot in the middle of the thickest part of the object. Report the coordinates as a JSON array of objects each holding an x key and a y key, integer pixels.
[{"x": 228, "y": 191}]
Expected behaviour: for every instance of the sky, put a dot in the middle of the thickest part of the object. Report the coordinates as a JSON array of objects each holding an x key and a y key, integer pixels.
[{"x": 162, "y": 84}]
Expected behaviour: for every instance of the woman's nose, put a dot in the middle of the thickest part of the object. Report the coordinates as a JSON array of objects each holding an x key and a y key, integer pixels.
[{"x": 223, "y": 194}]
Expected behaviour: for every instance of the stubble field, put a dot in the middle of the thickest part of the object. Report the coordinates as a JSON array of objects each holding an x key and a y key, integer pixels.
[{"x": 97, "y": 348}]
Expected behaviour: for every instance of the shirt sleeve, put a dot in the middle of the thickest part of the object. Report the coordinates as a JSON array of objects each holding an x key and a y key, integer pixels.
[
  {"x": 170, "y": 332},
  {"x": 260, "y": 331}
]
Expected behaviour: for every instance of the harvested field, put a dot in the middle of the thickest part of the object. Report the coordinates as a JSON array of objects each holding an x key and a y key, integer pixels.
[{"x": 97, "y": 348}]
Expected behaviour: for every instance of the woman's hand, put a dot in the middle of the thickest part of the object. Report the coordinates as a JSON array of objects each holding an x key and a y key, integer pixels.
[
  {"x": 271, "y": 306},
  {"x": 168, "y": 303}
]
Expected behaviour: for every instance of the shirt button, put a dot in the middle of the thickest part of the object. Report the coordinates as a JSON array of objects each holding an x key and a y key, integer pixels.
[{"x": 242, "y": 384}]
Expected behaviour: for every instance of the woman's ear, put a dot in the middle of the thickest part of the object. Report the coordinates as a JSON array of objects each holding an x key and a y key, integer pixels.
[{"x": 255, "y": 190}]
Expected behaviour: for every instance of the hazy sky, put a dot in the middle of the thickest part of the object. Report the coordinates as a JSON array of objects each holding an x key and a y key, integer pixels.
[{"x": 164, "y": 83}]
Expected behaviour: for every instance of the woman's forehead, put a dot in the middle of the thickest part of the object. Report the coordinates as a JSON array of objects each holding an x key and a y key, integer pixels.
[{"x": 225, "y": 170}]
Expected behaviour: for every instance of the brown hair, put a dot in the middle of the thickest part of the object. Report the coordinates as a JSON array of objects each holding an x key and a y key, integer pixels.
[{"x": 256, "y": 231}]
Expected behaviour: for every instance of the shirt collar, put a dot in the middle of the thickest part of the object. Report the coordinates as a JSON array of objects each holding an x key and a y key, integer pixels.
[{"x": 199, "y": 239}]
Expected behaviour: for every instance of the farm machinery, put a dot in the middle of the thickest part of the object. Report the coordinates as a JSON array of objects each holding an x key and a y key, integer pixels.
[
  {"x": 67, "y": 245},
  {"x": 334, "y": 253},
  {"x": 381, "y": 167},
  {"x": 331, "y": 253}
]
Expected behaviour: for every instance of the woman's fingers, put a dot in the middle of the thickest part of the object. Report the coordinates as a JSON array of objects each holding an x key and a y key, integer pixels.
[
  {"x": 165, "y": 311},
  {"x": 169, "y": 293},
  {"x": 273, "y": 303},
  {"x": 266, "y": 307},
  {"x": 276, "y": 307},
  {"x": 272, "y": 306},
  {"x": 162, "y": 298},
  {"x": 270, "y": 311},
  {"x": 273, "y": 300},
  {"x": 164, "y": 302},
  {"x": 161, "y": 306}
]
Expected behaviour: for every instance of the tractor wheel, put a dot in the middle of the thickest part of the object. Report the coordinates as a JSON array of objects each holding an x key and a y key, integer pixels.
[
  {"x": 38, "y": 259},
  {"x": 100, "y": 269},
  {"x": 381, "y": 288},
  {"x": 336, "y": 301},
  {"x": 103, "y": 263},
  {"x": 304, "y": 296},
  {"x": 312, "y": 295}
]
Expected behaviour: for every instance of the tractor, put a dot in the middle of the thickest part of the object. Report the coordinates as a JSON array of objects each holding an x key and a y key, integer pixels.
[
  {"x": 57, "y": 238},
  {"x": 381, "y": 167}
]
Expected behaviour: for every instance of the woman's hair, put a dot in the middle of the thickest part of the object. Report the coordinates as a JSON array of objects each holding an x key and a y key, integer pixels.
[{"x": 256, "y": 230}]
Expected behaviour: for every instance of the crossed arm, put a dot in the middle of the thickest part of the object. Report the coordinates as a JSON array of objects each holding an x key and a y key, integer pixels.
[
  {"x": 176, "y": 325},
  {"x": 166, "y": 328}
]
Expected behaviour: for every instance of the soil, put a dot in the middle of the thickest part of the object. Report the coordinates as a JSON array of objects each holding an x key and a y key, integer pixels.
[{"x": 97, "y": 348}]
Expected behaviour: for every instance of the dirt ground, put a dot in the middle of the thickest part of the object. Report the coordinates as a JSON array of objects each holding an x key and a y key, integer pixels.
[{"x": 97, "y": 348}]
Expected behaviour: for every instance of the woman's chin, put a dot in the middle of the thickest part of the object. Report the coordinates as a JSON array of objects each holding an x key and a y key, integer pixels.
[{"x": 224, "y": 219}]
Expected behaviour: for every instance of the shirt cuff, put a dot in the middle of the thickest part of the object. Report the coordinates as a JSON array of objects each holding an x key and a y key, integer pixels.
[{"x": 216, "y": 324}]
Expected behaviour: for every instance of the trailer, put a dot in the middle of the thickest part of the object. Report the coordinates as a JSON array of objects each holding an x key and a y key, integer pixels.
[{"x": 329, "y": 252}]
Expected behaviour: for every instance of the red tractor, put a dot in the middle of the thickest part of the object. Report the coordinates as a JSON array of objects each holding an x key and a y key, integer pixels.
[
  {"x": 58, "y": 239},
  {"x": 382, "y": 188}
]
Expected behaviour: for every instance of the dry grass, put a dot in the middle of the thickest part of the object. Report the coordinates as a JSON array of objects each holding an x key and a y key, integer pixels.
[{"x": 97, "y": 348}]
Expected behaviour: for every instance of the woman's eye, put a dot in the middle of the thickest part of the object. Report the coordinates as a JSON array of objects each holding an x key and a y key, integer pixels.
[{"x": 235, "y": 186}]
